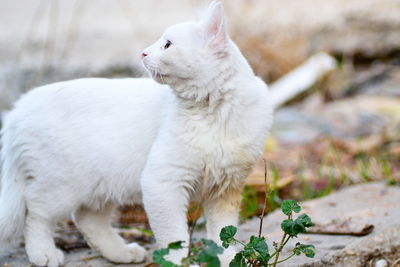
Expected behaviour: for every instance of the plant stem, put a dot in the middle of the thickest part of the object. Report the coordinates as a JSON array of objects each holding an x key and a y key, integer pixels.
[
  {"x": 280, "y": 247},
  {"x": 265, "y": 199},
  {"x": 240, "y": 242},
  {"x": 278, "y": 251},
  {"x": 282, "y": 260},
  {"x": 191, "y": 230}
]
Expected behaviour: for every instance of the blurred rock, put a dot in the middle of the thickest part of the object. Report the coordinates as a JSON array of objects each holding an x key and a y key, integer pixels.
[
  {"x": 362, "y": 34},
  {"x": 385, "y": 84},
  {"x": 381, "y": 263},
  {"x": 346, "y": 118},
  {"x": 284, "y": 33},
  {"x": 293, "y": 125}
]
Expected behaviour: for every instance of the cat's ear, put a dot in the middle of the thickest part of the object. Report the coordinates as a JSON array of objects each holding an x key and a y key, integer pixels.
[{"x": 214, "y": 24}]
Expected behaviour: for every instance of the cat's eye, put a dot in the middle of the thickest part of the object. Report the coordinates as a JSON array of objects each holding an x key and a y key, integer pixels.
[{"x": 168, "y": 44}]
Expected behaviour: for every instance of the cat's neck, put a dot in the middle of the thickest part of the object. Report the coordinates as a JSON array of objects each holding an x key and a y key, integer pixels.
[{"x": 210, "y": 95}]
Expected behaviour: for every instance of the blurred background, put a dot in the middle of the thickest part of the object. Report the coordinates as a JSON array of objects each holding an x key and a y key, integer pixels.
[{"x": 341, "y": 128}]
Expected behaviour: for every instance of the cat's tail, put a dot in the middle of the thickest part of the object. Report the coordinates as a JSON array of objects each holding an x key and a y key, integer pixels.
[{"x": 12, "y": 187}]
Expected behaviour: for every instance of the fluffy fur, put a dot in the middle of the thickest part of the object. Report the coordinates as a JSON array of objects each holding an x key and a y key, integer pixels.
[{"x": 82, "y": 147}]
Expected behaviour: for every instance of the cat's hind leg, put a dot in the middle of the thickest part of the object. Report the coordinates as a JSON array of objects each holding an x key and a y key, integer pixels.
[
  {"x": 96, "y": 227},
  {"x": 39, "y": 242}
]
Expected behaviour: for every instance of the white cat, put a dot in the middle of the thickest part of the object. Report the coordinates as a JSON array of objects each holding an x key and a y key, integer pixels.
[{"x": 82, "y": 147}]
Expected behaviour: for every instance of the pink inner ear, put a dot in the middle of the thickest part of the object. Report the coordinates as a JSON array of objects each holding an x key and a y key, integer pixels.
[
  {"x": 215, "y": 24},
  {"x": 213, "y": 29}
]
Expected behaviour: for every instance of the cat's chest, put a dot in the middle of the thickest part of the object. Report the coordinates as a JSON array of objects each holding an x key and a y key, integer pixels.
[
  {"x": 223, "y": 163},
  {"x": 223, "y": 146}
]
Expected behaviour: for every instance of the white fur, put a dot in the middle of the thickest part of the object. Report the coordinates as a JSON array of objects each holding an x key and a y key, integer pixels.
[{"x": 81, "y": 147}]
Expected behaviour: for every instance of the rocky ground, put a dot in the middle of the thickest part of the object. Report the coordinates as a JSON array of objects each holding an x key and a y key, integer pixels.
[{"x": 373, "y": 205}]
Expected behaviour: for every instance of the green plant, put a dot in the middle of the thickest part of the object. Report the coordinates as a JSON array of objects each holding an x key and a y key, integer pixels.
[
  {"x": 255, "y": 253},
  {"x": 249, "y": 203},
  {"x": 306, "y": 187},
  {"x": 273, "y": 199},
  {"x": 387, "y": 172},
  {"x": 205, "y": 252}
]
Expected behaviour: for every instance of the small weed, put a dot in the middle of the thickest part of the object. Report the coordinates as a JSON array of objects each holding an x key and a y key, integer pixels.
[
  {"x": 307, "y": 189},
  {"x": 387, "y": 172},
  {"x": 364, "y": 168},
  {"x": 272, "y": 195},
  {"x": 249, "y": 203},
  {"x": 256, "y": 253}
]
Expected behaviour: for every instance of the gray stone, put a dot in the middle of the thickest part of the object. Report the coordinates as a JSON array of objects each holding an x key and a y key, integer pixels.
[{"x": 346, "y": 118}]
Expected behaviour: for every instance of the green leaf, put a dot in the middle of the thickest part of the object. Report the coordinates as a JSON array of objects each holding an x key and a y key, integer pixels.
[
  {"x": 226, "y": 235},
  {"x": 238, "y": 261},
  {"x": 176, "y": 245},
  {"x": 259, "y": 245},
  {"x": 195, "y": 250},
  {"x": 256, "y": 249},
  {"x": 210, "y": 247},
  {"x": 158, "y": 255},
  {"x": 209, "y": 254},
  {"x": 305, "y": 220},
  {"x": 288, "y": 226},
  {"x": 290, "y": 205},
  {"x": 293, "y": 228},
  {"x": 209, "y": 260},
  {"x": 308, "y": 250}
]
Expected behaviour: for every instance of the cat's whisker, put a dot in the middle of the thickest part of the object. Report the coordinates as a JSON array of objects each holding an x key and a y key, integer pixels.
[
  {"x": 162, "y": 78},
  {"x": 158, "y": 74}
]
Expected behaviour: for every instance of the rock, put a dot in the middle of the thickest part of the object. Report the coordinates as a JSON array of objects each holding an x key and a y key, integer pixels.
[
  {"x": 346, "y": 118},
  {"x": 386, "y": 84},
  {"x": 373, "y": 203},
  {"x": 378, "y": 79},
  {"x": 381, "y": 263},
  {"x": 293, "y": 125}
]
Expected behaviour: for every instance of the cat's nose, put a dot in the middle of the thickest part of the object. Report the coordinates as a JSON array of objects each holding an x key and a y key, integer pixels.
[{"x": 144, "y": 54}]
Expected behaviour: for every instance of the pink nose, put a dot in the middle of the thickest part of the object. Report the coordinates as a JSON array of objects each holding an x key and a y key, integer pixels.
[{"x": 144, "y": 54}]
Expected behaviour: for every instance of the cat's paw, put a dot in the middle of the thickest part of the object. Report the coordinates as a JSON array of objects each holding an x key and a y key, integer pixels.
[
  {"x": 50, "y": 258},
  {"x": 137, "y": 252},
  {"x": 131, "y": 253}
]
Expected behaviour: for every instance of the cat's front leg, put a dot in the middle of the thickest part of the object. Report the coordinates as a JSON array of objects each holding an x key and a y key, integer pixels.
[
  {"x": 166, "y": 198},
  {"x": 221, "y": 211}
]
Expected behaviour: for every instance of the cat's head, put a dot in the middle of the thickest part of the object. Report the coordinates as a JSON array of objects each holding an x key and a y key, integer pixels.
[{"x": 189, "y": 52}]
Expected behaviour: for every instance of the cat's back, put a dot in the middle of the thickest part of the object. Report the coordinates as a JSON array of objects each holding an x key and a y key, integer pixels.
[
  {"x": 89, "y": 98},
  {"x": 116, "y": 113},
  {"x": 91, "y": 93}
]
